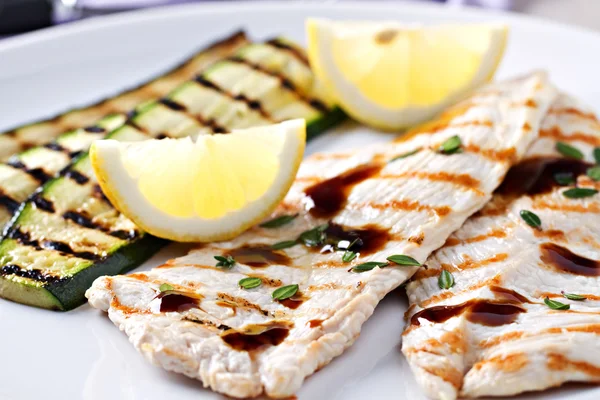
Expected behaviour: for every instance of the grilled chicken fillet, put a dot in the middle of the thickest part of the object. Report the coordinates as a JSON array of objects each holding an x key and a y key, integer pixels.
[
  {"x": 382, "y": 201},
  {"x": 492, "y": 334}
]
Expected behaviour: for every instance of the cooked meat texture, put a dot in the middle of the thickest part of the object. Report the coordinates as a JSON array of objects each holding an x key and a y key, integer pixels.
[
  {"x": 492, "y": 334},
  {"x": 242, "y": 342}
]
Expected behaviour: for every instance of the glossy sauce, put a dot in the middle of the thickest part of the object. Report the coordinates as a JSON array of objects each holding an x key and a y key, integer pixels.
[
  {"x": 536, "y": 176},
  {"x": 330, "y": 196},
  {"x": 294, "y": 302},
  {"x": 258, "y": 256},
  {"x": 272, "y": 335},
  {"x": 508, "y": 295},
  {"x": 367, "y": 240},
  {"x": 564, "y": 260},
  {"x": 176, "y": 302},
  {"x": 483, "y": 312}
]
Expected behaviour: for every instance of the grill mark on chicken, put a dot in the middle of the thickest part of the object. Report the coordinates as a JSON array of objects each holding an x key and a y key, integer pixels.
[
  {"x": 449, "y": 294},
  {"x": 468, "y": 263},
  {"x": 504, "y": 155},
  {"x": 575, "y": 207},
  {"x": 556, "y": 134},
  {"x": 508, "y": 363},
  {"x": 574, "y": 112},
  {"x": 494, "y": 341},
  {"x": 558, "y": 362},
  {"x": 404, "y": 205},
  {"x": 498, "y": 233},
  {"x": 462, "y": 180},
  {"x": 447, "y": 373},
  {"x": 284, "y": 82}
]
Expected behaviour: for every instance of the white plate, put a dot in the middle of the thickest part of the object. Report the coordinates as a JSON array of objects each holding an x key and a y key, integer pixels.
[{"x": 80, "y": 354}]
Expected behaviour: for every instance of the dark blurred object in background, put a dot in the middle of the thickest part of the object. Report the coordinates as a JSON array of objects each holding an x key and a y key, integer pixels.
[{"x": 17, "y": 16}]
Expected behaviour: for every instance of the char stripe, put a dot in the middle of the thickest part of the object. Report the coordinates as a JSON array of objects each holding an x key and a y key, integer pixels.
[
  {"x": 77, "y": 176},
  {"x": 285, "y": 82},
  {"x": 86, "y": 222},
  {"x": 94, "y": 129},
  {"x": 36, "y": 173},
  {"x": 173, "y": 105},
  {"x": 211, "y": 123},
  {"x": 42, "y": 203},
  {"x": 297, "y": 53},
  {"x": 253, "y": 104},
  {"x": 34, "y": 274},
  {"x": 24, "y": 238}
]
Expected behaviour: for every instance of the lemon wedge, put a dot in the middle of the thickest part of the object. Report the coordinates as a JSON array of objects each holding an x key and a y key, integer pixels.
[
  {"x": 392, "y": 76},
  {"x": 207, "y": 189}
]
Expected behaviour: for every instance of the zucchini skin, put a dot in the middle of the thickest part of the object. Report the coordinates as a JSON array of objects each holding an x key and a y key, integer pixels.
[
  {"x": 38, "y": 133},
  {"x": 24, "y": 172},
  {"x": 35, "y": 227}
]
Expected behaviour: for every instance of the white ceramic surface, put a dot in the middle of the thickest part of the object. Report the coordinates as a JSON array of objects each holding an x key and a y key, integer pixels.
[{"x": 80, "y": 354}]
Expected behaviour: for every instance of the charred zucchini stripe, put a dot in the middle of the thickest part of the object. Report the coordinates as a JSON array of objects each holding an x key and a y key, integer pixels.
[
  {"x": 25, "y": 239},
  {"x": 46, "y": 130},
  {"x": 10, "y": 204},
  {"x": 297, "y": 53},
  {"x": 175, "y": 106},
  {"x": 39, "y": 174},
  {"x": 285, "y": 83},
  {"x": 252, "y": 104},
  {"x": 33, "y": 274}
]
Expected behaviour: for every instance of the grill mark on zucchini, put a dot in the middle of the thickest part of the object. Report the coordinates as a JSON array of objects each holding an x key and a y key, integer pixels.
[
  {"x": 33, "y": 274},
  {"x": 76, "y": 176},
  {"x": 175, "y": 106},
  {"x": 252, "y": 104},
  {"x": 85, "y": 221},
  {"x": 42, "y": 203},
  {"x": 94, "y": 129},
  {"x": 10, "y": 204},
  {"x": 36, "y": 173},
  {"x": 285, "y": 83},
  {"x": 25, "y": 239},
  {"x": 300, "y": 56}
]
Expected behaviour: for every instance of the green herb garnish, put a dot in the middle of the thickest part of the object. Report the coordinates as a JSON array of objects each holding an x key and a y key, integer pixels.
[
  {"x": 226, "y": 262},
  {"x": 314, "y": 237},
  {"x": 250, "y": 283},
  {"x": 597, "y": 155},
  {"x": 285, "y": 292},
  {"x": 165, "y": 287},
  {"x": 348, "y": 256},
  {"x": 568, "y": 151},
  {"x": 369, "y": 266},
  {"x": 451, "y": 146},
  {"x": 284, "y": 245},
  {"x": 572, "y": 296},
  {"x": 279, "y": 221},
  {"x": 579, "y": 193},
  {"x": 564, "y": 178},
  {"x": 446, "y": 280},
  {"x": 594, "y": 173},
  {"x": 401, "y": 259},
  {"x": 404, "y": 155},
  {"x": 531, "y": 219},
  {"x": 556, "y": 305}
]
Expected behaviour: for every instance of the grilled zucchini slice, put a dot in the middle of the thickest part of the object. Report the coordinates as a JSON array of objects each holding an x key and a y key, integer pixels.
[
  {"x": 39, "y": 133},
  {"x": 68, "y": 234},
  {"x": 23, "y": 173}
]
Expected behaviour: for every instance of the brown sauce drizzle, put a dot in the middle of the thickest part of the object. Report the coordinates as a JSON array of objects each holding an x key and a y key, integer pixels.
[
  {"x": 172, "y": 301},
  {"x": 258, "y": 256},
  {"x": 294, "y": 302},
  {"x": 483, "y": 312},
  {"x": 257, "y": 336},
  {"x": 508, "y": 295},
  {"x": 536, "y": 176},
  {"x": 330, "y": 196},
  {"x": 564, "y": 260},
  {"x": 367, "y": 239}
]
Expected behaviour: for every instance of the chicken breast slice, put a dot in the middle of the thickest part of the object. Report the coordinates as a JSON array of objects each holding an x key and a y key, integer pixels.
[
  {"x": 242, "y": 342},
  {"x": 492, "y": 334}
]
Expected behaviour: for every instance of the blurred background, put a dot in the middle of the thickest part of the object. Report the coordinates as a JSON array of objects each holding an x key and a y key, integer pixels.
[{"x": 18, "y": 16}]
